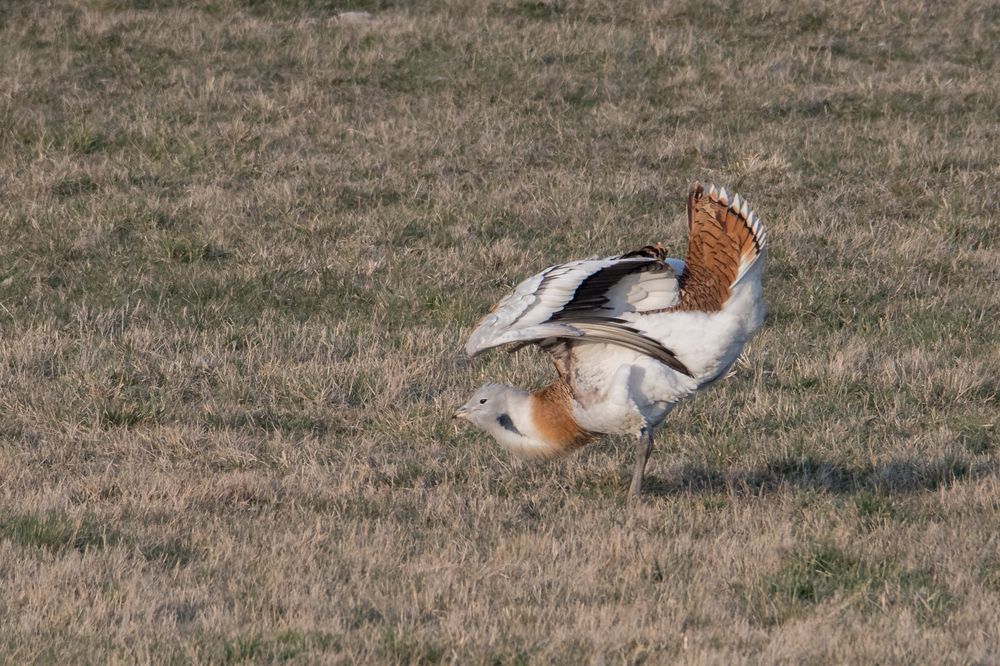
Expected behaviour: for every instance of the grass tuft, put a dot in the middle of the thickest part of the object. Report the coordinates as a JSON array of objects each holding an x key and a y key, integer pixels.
[
  {"x": 285, "y": 646},
  {"x": 826, "y": 574},
  {"x": 72, "y": 187},
  {"x": 55, "y": 532},
  {"x": 400, "y": 647}
]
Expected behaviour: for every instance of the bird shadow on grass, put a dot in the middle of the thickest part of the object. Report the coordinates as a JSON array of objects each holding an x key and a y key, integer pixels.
[{"x": 908, "y": 475}]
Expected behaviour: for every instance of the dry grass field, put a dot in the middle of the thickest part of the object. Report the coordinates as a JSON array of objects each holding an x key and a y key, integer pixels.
[{"x": 242, "y": 243}]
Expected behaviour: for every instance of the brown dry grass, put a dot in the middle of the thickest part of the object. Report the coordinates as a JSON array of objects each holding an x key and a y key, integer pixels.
[{"x": 240, "y": 245}]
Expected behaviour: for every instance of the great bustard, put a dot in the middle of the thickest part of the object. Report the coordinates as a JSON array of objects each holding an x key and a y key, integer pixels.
[{"x": 630, "y": 335}]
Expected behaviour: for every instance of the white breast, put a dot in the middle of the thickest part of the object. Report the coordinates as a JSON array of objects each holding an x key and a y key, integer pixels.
[{"x": 618, "y": 390}]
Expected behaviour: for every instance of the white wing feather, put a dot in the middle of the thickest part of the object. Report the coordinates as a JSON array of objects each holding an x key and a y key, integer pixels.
[{"x": 524, "y": 314}]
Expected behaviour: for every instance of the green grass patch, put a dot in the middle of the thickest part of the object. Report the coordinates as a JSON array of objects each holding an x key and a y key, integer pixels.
[
  {"x": 84, "y": 140},
  {"x": 823, "y": 573},
  {"x": 529, "y": 9},
  {"x": 284, "y": 646},
  {"x": 72, "y": 187},
  {"x": 877, "y": 510},
  {"x": 57, "y": 532},
  {"x": 399, "y": 646},
  {"x": 979, "y": 438},
  {"x": 54, "y": 532}
]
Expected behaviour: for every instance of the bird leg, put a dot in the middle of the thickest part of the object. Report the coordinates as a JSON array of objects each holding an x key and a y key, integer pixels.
[{"x": 642, "y": 450}]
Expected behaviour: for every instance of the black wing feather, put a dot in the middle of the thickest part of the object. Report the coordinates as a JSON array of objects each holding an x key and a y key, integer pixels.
[
  {"x": 592, "y": 293},
  {"x": 584, "y": 310}
]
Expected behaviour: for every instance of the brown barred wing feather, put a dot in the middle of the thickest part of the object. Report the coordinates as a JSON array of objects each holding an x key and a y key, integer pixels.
[{"x": 725, "y": 239}]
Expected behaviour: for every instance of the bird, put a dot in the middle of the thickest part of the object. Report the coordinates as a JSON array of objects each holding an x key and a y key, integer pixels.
[{"x": 629, "y": 335}]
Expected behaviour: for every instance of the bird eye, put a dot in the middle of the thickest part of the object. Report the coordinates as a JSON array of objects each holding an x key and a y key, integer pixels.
[{"x": 482, "y": 401}]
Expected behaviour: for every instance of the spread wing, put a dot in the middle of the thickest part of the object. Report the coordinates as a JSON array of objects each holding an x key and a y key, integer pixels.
[
  {"x": 583, "y": 300},
  {"x": 629, "y": 299},
  {"x": 726, "y": 240}
]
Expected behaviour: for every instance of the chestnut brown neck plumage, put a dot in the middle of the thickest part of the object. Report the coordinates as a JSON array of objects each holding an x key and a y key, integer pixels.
[{"x": 552, "y": 415}]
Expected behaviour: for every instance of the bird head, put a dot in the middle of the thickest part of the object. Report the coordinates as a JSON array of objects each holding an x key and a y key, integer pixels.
[{"x": 486, "y": 404}]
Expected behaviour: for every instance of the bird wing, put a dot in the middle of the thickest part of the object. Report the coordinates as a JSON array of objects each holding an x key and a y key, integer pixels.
[
  {"x": 584, "y": 300},
  {"x": 721, "y": 299},
  {"x": 640, "y": 300},
  {"x": 726, "y": 239}
]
